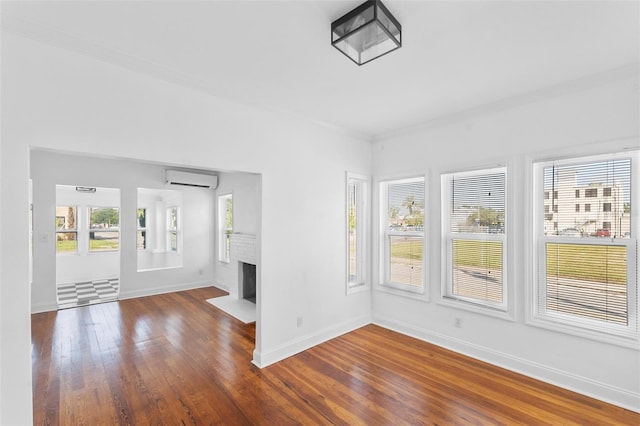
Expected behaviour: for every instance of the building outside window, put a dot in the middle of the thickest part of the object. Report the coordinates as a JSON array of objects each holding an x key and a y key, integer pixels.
[
  {"x": 587, "y": 285},
  {"x": 600, "y": 209}
]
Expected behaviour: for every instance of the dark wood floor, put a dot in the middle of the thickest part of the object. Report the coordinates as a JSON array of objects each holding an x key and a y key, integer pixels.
[{"x": 174, "y": 359}]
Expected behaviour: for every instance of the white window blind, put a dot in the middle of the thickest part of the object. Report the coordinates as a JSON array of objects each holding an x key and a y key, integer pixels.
[
  {"x": 476, "y": 245},
  {"x": 586, "y": 256},
  {"x": 404, "y": 220}
]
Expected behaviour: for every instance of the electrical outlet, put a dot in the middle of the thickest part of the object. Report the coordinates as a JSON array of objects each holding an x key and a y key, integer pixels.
[
  {"x": 299, "y": 321},
  {"x": 458, "y": 323}
]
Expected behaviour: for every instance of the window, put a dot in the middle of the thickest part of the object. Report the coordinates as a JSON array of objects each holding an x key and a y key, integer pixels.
[
  {"x": 474, "y": 211},
  {"x": 172, "y": 229},
  {"x": 141, "y": 234},
  {"x": 555, "y": 208},
  {"x": 225, "y": 227},
  {"x": 66, "y": 229},
  {"x": 577, "y": 208},
  {"x": 546, "y": 209},
  {"x": 403, "y": 207},
  {"x": 577, "y": 193},
  {"x": 104, "y": 229},
  {"x": 586, "y": 284},
  {"x": 606, "y": 192},
  {"x": 357, "y": 224}
]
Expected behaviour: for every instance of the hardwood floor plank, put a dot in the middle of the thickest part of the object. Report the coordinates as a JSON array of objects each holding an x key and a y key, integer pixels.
[{"x": 175, "y": 359}]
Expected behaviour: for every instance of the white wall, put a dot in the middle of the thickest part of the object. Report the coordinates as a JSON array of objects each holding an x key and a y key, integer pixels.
[
  {"x": 55, "y": 99},
  {"x": 49, "y": 169},
  {"x": 245, "y": 188},
  {"x": 578, "y": 120}
]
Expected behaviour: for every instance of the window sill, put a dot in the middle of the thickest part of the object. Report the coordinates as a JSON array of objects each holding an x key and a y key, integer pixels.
[
  {"x": 411, "y": 293},
  {"x": 476, "y": 308}
]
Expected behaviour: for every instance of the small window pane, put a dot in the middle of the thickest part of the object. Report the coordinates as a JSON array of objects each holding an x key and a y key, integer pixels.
[
  {"x": 605, "y": 183},
  {"x": 477, "y": 270},
  {"x": 587, "y": 281},
  {"x": 405, "y": 260},
  {"x": 66, "y": 242},
  {"x": 104, "y": 232},
  {"x": 405, "y": 205},
  {"x": 477, "y": 204}
]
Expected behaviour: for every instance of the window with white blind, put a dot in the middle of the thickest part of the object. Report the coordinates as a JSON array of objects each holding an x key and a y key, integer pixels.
[
  {"x": 356, "y": 232},
  {"x": 586, "y": 264},
  {"x": 474, "y": 212},
  {"x": 402, "y": 247},
  {"x": 225, "y": 227}
]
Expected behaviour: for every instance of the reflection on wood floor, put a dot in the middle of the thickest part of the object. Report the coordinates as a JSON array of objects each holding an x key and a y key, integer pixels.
[{"x": 176, "y": 359}]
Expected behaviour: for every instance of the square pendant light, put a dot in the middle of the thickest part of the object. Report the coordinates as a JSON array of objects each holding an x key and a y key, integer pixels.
[{"x": 367, "y": 32}]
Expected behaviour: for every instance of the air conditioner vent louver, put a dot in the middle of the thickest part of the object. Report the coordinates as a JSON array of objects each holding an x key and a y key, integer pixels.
[{"x": 176, "y": 177}]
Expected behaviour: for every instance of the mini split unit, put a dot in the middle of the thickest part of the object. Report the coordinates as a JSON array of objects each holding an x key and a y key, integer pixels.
[{"x": 176, "y": 177}]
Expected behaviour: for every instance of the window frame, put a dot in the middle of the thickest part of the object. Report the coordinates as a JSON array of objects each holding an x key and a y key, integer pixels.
[
  {"x": 627, "y": 336},
  {"x": 224, "y": 232},
  {"x": 384, "y": 281},
  {"x": 505, "y": 309},
  {"x": 362, "y": 231}
]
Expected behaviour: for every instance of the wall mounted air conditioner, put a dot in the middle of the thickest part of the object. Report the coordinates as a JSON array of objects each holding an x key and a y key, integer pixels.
[{"x": 176, "y": 177}]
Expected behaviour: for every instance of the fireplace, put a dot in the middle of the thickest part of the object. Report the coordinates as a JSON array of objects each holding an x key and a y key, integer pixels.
[
  {"x": 243, "y": 254},
  {"x": 248, "y": 280}
]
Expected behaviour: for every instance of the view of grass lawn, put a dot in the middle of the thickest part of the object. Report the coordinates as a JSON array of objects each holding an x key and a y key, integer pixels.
[
  {"x": 66, "y": 246},
  {"x": 478, "y": 253},
  {"x": 599, "y": 263},
  {"x": 407, "y": 248},
  {"x": 104, "y": 245},
  {"x": 71, "y": 246}
]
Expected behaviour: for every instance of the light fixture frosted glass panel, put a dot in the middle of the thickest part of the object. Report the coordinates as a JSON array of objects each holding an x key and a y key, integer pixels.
[{"x": 366, "y": 33}]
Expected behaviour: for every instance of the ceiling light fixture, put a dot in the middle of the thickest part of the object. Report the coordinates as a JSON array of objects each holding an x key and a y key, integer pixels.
[{"x": 367, "y": 32}]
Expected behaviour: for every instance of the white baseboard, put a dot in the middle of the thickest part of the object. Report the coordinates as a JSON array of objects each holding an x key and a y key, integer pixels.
[
  {"x": 592, "y": 388},
  {"x": 222, "y": 286},
  {"x": 44, "y": 307},
  {"x": 305, "y": 342},
  {"x": 163, "y": 289}
]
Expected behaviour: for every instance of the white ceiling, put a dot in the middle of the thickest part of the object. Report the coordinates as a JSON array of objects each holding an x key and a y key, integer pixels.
[{"x": 277, "y": 55}]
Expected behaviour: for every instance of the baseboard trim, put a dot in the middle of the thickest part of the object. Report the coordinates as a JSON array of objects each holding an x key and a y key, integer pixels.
[
  {"x": 163, "y": 289},
  {"x": 592, "y": 388},
  {"x": 44, "y": 307},
  {"x": 303, "y": 343}
]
